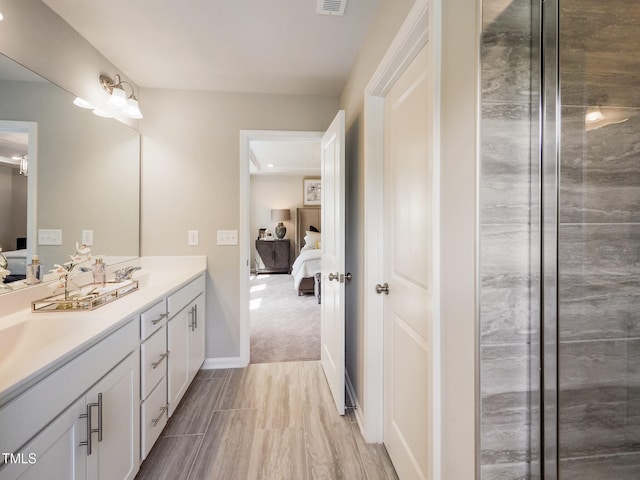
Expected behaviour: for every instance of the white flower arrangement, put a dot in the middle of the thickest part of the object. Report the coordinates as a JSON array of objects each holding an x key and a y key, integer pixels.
[{"x": 81, "y": 257}]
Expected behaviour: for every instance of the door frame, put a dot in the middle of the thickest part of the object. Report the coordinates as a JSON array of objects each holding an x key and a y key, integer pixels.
[
  {"x": 31, "y": 128},
  {"x": 413, "y": 35},
  {"x": 244, "y": 236}
]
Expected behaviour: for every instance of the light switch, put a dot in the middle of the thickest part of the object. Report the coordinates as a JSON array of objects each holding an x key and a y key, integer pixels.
[
  {"x": 49, "y": 237},
  {"x": 227, "y": 237},
  {"x": 87, "y": 237},
  {"x": 194, "y": 241}
]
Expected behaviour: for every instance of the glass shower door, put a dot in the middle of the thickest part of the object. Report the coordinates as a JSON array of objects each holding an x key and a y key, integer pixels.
[{"x": 598, "y": 241}]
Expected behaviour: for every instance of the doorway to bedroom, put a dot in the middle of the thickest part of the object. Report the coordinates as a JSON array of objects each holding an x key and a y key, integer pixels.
[{"x": 283, "y": 221}]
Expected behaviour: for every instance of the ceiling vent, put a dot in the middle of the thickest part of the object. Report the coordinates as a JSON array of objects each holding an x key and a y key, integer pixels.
[{"x": 331, "y": 7}]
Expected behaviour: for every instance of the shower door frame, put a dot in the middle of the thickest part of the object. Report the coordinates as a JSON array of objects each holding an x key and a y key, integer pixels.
[{"x": 549, "y": 201}]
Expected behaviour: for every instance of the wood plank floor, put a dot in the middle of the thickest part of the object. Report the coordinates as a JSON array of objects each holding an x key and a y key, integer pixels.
[{"x": 268, "y": 421}]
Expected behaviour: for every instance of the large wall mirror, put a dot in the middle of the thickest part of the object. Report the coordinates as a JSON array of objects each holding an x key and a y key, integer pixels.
[{"x": 62, "y": 169}]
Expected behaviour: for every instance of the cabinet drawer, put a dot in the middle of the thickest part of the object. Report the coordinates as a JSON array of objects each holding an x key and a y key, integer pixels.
[
  {"x": 153, "y": 415},
  {"x": 180, "y": 299},
  {"x": 153, "y": 361},
  {"x": 152, "y": 319}
]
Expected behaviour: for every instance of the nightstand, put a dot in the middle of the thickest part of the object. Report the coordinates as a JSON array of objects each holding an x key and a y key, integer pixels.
[{"x": 274, "y": 255}]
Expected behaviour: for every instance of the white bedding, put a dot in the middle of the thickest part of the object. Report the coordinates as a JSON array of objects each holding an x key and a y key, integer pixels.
[{"x": 306, "y": 265}]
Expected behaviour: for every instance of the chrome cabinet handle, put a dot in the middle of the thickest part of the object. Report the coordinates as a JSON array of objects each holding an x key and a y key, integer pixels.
[
  {"x": 155, "y": 421},
  {"x": 195, "y": 316},
  {"x": 99, "y": 417},
  {"x": 159, "y": 319},
  {"x": 90, "y": 431},
  {"x": 87, "y": 415},
  {"x": 384, "y": 288},
  {"x": 334, "y": 276},
  {"x": 155, "y": 365},
  {"x": 192, "y": 322}
]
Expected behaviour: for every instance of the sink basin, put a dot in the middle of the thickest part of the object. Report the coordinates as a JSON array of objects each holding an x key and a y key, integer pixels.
[{"x": 36, "y": 334}]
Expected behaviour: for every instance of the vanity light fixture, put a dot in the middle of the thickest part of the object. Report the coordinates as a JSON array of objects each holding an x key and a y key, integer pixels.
[
  {"x": 82, "y": 103},
  {"x": 118, "y": 98},
  {"x": 24, "y": 164}
]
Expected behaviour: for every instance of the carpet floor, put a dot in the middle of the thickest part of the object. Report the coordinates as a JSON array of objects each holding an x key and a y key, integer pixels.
[{"x": 284, "y": 326}]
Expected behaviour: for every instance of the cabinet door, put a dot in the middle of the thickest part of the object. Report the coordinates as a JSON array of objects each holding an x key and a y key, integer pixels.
[
  {"x": 55, "y": 452},
  {"x": 116, "y": 452},
  {"x": 178, "y": 345},
  {"x": 281, "y": 255},
  {"x": 196, "y": 335}
]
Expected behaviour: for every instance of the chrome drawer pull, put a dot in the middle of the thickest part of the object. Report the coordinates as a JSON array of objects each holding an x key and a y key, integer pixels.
[
  {"x": 155, "y": 421},
  {"x": 90, "y": 431},
  {"x": 159, "y": 319},
  {"x": 162, "y": 357}
]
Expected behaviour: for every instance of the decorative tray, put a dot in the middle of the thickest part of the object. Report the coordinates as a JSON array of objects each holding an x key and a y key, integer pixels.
[{"x": 88, "y": 297}]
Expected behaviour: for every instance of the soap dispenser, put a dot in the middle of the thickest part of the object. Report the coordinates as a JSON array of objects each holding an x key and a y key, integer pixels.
[
  {"x": 33, "y": 271},
  {"x": 99, "y": 272}
]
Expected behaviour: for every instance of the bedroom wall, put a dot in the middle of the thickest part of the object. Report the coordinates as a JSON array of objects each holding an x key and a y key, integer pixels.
[
  {"x": 19, "y": 206},
  {"x": 6, "y": 193},
  {"x": 13, "y": 207},
  {"x": 191, "y": 180},
  {"x": 274, "y": 191}
]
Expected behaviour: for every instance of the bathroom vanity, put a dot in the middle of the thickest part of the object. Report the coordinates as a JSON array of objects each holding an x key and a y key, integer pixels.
[{"x": 86, "y": 394}]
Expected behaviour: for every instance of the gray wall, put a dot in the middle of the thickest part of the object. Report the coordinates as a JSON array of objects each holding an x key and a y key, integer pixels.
[
  {"x": 599, "y": 257},
  {"x": 508, "y": 312},
  {"x": 269, "y": 192},
  {"x": 191, "y": 181}
]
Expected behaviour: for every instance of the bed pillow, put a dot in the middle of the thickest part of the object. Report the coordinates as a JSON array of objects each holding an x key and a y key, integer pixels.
[{"x": 312, "y": 239}]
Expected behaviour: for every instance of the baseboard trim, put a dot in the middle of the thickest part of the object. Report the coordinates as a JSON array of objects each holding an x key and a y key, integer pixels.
[
  {"x": 222, "y": 362},
  {"x": 353, "y": 400}
]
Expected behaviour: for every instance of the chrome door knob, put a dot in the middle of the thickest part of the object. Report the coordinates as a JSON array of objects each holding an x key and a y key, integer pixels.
[
  {"x": 334, "y": 276},
  {"x": 382, "y": 288}
]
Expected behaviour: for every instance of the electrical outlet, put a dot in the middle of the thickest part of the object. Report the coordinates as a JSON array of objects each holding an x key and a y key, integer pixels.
[
  {"x": 49, "y": 237},
  {"x": 87, "y": 237},
  {"x": 193, "y": 239},
  {"x": 227, "y": 237}
]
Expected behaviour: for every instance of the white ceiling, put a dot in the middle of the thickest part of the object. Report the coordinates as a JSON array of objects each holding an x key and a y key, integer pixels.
[
  {"x": 286, "y": 157},
  {"x": 277, "y": 46}
]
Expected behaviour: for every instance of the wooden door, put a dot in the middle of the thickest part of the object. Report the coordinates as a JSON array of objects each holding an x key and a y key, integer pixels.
[
  {"x": 333, "y": 259},
  {"x": 408, "y": 177}
]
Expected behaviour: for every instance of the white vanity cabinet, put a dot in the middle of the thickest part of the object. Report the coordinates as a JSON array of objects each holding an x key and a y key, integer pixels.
[
  {"x": 185, "y": 338},
  {"x": 153, "y": 375},
  {"x": 95, "y": 437},
  {"x": 196, "y": 340},
  {"x": 113, "y": 406}
]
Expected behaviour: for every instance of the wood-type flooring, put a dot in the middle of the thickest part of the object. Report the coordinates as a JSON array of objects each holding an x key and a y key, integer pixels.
[{"x": 268, "y": 421}]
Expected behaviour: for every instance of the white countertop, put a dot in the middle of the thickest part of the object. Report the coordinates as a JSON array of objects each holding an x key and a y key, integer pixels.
[{"x": 32, "y": 345}]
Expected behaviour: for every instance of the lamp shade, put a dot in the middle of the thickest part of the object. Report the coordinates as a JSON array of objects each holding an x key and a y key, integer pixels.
[
  {"x": 280, "y": 215},
  {"x": 118, "y": 97}
]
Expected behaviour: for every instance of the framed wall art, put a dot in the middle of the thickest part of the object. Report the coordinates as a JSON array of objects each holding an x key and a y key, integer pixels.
[{"x": 312, "y": 191}]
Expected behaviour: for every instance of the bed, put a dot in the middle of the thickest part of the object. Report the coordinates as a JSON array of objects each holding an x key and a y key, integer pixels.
[
  {"x": 308, "y": 253},
  {"x": 16, "y": 264}
]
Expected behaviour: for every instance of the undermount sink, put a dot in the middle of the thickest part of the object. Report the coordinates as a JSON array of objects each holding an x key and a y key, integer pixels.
[{"x": 36, "y": 334}]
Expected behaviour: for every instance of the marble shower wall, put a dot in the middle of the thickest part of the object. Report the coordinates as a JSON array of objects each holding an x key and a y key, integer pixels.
[
  {"x": 599, "y": 243},
  {"x": 508, "y": 298},
  {"x": 599, "y": 255}
]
